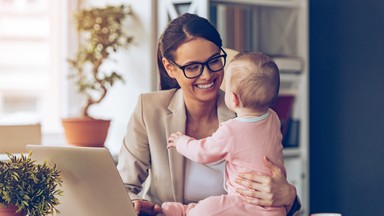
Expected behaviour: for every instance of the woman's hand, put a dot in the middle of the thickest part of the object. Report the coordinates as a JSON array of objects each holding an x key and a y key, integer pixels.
[
  {"x": 267, "y": 190},
  {"x": 146, "y": 208}
]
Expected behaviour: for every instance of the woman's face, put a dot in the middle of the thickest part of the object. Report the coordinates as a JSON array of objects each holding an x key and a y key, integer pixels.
[{"x": 206, "y": 86}]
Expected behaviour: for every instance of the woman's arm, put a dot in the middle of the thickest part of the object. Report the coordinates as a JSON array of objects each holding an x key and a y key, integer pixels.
[{"x": 269, "y": 190}]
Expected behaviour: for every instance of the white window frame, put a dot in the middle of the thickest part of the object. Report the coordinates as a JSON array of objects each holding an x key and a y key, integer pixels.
[{"x": 56, "y": 103}]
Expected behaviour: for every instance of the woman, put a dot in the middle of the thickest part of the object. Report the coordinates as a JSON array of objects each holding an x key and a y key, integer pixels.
[{"x": 192, "y": 103}]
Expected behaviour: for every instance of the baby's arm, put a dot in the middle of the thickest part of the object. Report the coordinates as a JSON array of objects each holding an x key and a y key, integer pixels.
[{"x": 207, "y": 150}]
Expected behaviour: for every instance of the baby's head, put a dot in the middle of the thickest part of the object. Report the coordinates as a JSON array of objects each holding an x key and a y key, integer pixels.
[{"x": 254, "y": 78}]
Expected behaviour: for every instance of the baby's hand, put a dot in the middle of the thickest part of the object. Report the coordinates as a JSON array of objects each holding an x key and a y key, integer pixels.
[{"x": 172, "y": 138}]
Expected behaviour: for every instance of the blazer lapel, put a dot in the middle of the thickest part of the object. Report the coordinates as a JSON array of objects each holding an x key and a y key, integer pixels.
[{"x": 176, "y": 121}]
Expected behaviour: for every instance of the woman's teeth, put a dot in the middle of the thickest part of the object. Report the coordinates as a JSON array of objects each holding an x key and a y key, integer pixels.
[{"x": 205, "y": 86}]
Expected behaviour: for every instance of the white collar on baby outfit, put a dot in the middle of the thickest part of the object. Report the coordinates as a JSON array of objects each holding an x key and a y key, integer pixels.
[{"x": 252, "y": 118}]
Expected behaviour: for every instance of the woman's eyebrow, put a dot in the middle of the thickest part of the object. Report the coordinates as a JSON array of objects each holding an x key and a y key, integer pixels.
[
  {"x": 212, "y": 56},
  {"x": 215, "y": 54}
]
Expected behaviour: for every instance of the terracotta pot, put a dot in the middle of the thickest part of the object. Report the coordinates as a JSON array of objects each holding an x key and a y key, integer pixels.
[
  {"x": 86, "y": 132},
  {"x": 9, "y": 211}
]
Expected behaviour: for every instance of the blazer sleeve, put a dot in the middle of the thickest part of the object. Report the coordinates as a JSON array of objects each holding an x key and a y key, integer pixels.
[{"x": 134, "y": 157}]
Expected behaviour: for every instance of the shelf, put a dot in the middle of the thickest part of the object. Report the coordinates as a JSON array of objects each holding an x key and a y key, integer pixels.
[
  {"x": 291, "y": 152},
  {"x": 288, "y": 64},
  {"x": 270, "y": 3},
  {"x": 289, "y": 84}
]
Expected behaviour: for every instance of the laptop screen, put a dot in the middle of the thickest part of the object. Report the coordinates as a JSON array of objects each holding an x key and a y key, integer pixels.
[{"x": 91, "y": 183}]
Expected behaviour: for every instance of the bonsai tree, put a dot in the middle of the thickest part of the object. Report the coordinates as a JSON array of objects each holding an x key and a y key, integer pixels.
[
  {"x": 103, "y": 35},
  {"x": 31, "y": 187}
]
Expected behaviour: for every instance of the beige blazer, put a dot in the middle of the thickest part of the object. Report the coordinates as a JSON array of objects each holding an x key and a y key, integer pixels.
[{"x": 144, "y": 155}]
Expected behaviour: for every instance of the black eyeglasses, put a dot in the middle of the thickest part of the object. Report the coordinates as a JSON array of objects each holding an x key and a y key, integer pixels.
[{"x": 195, "y": 69}]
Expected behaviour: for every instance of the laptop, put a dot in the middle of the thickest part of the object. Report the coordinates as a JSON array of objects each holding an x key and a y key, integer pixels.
[{"x": 91, "y": 183}]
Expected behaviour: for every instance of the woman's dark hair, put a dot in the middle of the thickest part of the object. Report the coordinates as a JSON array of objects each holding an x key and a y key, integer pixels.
[{"x": 179, "y": 31}]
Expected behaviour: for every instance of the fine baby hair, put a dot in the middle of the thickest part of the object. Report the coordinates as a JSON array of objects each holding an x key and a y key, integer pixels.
[{"x": 255, "y": 79}]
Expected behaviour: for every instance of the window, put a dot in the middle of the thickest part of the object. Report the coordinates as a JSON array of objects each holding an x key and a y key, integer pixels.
[{"x": 32, "y": 61}]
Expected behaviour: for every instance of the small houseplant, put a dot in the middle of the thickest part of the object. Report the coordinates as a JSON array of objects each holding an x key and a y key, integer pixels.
[
  {"x": 102, "y": 32},
  {"x": 28, "y": 188}
]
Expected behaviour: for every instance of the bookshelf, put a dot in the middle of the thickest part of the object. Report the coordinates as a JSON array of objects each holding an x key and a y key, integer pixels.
[{"x": 278, "y": 28}]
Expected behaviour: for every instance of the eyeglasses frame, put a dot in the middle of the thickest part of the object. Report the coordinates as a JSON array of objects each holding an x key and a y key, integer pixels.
[{"x": 202, "y": 64}]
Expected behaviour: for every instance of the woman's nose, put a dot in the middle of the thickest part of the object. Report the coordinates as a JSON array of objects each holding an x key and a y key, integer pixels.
[{"x": 206, "y": 73}]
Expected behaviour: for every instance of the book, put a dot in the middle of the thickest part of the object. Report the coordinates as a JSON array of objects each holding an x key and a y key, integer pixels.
[
  {"x": 283, "y": 107},
  {"x": 288, "y": 63},
  {"x": 291, "y": 138}
]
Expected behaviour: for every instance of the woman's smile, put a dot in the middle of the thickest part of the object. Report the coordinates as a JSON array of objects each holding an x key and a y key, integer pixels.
[{"x": 206, "y": 85}]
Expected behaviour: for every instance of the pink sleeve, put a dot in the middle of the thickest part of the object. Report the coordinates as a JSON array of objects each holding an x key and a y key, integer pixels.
[{"x": 207, "y": 150}]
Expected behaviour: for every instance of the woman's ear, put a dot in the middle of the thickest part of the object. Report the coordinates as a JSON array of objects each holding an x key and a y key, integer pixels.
[{"x": 168, "y": 67}]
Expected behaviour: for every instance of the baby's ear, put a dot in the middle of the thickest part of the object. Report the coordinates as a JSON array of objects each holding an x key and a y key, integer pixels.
[
  {"x": 169, "y": 67},
  {"x": 235, "y": 100}
]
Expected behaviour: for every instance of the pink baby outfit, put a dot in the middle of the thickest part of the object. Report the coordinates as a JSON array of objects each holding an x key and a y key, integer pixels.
[{"x": 241, "y": 142}]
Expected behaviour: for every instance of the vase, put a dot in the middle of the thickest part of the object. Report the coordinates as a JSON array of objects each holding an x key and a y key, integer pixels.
[
  {"x": 10, "y": 211},
  {"x": 86, "y": 132}
]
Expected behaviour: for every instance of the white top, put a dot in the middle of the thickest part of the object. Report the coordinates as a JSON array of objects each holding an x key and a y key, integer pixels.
[{"x": 209, "y": 179}]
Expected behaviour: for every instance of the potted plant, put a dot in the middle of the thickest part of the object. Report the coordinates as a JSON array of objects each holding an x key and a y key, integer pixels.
[
  {"x": 102, "y": 32},
  {"x": 28, "y": 188}
]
